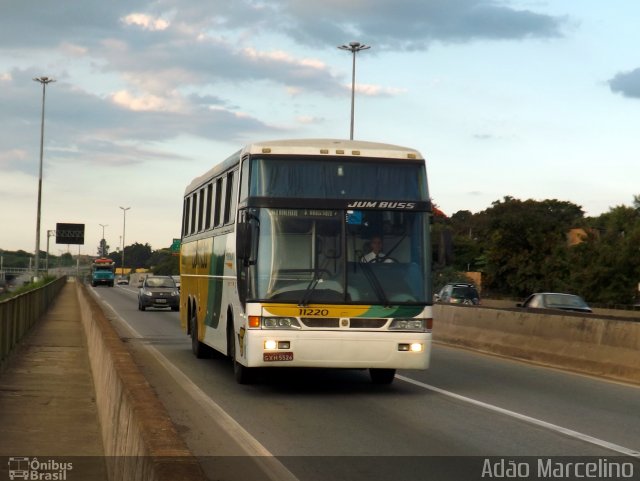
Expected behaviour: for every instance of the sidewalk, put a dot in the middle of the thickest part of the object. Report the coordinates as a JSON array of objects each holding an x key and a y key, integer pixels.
[{"x": 47, "y": 397}]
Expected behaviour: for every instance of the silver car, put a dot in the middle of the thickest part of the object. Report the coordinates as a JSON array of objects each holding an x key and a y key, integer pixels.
[
  {"x": 160, "y": 292},
  {"x": 555, "y": 300}
]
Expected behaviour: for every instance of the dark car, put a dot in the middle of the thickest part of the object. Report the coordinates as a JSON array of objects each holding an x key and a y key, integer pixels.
[
  {"x": 555, "y": 300},
  {"x": 159, "y": 291},
  {"x": 459, "y": 293}
]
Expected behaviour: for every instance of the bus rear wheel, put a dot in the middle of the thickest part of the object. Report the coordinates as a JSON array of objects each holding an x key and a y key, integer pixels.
[
  {"x": 200, "y": 350},
  {"x": 382, "y": 376}
]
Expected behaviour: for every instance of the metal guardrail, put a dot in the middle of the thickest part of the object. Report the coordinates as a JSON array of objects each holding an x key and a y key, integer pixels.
[
  {"x": 17, "y": 270},
  {"x": 18, "y": 314}
]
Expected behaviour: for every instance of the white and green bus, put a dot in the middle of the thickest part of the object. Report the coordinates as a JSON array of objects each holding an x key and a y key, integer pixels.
[{"x": 275, "y": 263}]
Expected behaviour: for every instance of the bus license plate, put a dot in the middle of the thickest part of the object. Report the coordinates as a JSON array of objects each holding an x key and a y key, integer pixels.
[{"x": 277, "y": 356}]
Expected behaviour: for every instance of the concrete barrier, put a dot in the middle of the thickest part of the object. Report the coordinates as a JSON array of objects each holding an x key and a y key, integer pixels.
[
  {"x": 584, "y": 343},
  {"x": 140, "y": 440}
]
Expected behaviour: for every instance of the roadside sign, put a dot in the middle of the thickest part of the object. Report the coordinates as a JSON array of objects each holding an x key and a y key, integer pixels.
[
  {"x": 70, "y": 234},
  {"x": 175, "y": 246}
]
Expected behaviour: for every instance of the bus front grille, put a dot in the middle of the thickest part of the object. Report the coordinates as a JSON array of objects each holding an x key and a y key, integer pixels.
[
  {"x": 322, "y": 322},
  {"x": 334, "y": 323}
]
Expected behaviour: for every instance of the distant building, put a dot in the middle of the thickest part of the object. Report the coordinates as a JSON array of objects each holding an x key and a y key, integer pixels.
[
  {"x": 578, "y": 235},
  {"x": 475, "y": 278}
]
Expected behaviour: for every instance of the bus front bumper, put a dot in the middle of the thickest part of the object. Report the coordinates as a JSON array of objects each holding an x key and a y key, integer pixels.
[{"x": 351, "y": 350}]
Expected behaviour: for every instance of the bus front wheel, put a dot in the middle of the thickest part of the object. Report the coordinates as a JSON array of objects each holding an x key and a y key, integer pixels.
[
  {"x": 382, "y": 376},
  {"x": 243, "y": 374}
]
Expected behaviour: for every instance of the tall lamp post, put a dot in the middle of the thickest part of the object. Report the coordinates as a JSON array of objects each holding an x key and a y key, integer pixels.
[
  {"x": 353, "y": 47},
  {"x": 124, "y": 225},
  {"x": 44, "y": 81},
  {"x": 103, "y": 243}
]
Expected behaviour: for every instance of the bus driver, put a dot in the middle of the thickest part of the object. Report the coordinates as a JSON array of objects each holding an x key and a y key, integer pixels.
[{"x": 376, "y": 254}]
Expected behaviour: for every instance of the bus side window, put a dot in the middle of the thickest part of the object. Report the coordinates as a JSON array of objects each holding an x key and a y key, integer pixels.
[
  {"x": 185, "y": 216},
  {"x": 244, "y": 181},
  {"x": 229, "y": 198},
  {"x": 207, "y": 215},
  {"x": 194, "y": 205},
  {"x": 201, "y": 209},
  {"x": 218, "y": 207}
]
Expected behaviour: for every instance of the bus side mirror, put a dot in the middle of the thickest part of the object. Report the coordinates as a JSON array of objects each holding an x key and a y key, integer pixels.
[{"x": 243, "y": 235}]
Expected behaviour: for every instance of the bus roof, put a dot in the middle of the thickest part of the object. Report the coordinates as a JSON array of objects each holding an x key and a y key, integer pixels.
[
  {"x": 332, "y": 147},
  {"x": 319, "y": 147}
]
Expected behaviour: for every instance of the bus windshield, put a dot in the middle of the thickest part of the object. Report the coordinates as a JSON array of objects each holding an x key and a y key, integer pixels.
[
  {"x": 337, "y": 178},
  {"x": 309, "y": 256}
]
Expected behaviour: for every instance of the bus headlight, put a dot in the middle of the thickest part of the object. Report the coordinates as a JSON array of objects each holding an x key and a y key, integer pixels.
[
  {"x": 408, "y": 325},
  {"x": 280, "y": 323}
]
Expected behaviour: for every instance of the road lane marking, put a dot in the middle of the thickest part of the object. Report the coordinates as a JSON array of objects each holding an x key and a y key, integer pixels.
[
  {"x": 528, "y": 419},
  {"x": 270, "y": 465}
]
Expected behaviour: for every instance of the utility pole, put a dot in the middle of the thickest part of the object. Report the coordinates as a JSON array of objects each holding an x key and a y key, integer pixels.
[{"x": 44, "y": 81}]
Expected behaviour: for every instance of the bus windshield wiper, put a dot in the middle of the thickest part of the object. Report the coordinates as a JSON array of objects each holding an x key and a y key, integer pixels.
[
  {"x": 375, "y": 283},
  {"x": 310, "y": 288}
]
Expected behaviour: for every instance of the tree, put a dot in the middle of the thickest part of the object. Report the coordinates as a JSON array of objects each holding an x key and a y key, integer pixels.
[
  {"x": 164, "y": 263},
  {"x": 103, "y": 248},
  {"x": 522, "y": 247},
  {"x": 607, "y": 263},
  {"x": 137, "y": 255},
  {"x": 66, "y": 259},
  {"x": 525, "y": 243}
]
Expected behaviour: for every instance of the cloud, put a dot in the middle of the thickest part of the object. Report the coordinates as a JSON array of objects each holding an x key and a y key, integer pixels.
[
  {"x": 159, "y": 53},
  {"x": 377, "y": 90},
  {"x": 309, "y": 119},
  {"x": 484, "y": 136},
  {"x": 142, "y": 103},
  {"x": 411, "y": 24},
  {"x": 626, "y": 83},
  {"x": 147, "y": 22},
  {"x": 113, "y": 129}
]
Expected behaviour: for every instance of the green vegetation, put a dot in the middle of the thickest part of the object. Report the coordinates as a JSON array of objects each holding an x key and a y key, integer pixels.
[
  {"x": 137, "y": 256},
  {"x": 140, "y": 256},
  {"x": 27, "y": 287},
  {"x": 523, "y": 246}
]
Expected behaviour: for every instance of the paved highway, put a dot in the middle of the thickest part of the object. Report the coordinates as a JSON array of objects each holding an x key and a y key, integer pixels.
[{"x": 321, "y": 424}]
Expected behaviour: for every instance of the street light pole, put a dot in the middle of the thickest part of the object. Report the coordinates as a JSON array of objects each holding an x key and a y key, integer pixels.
[
  {"x": 44, "y": 81},
  {"x": 124, "y": 225},
  {"x": 103, "y": 244},
  {"x": 353, "y": 47}
]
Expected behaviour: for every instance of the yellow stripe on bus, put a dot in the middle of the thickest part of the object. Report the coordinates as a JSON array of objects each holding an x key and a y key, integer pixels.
[{"x": 315, "y": 310}]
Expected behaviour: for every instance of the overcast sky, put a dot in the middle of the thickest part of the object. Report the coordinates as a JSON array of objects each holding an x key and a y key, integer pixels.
[{"x": 529, "y": 99}]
